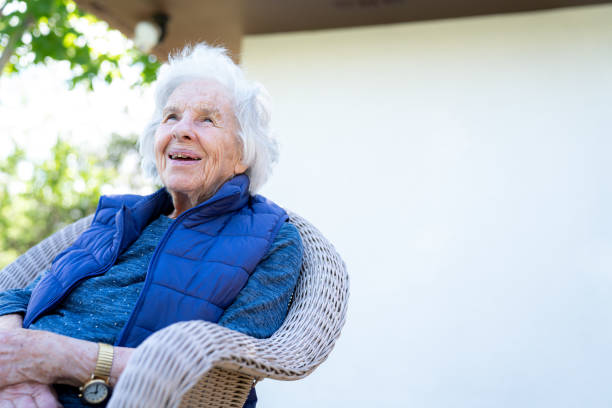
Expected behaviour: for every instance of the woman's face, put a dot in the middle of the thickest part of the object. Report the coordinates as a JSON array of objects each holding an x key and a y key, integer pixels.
[{"x": 196, "y": 144}]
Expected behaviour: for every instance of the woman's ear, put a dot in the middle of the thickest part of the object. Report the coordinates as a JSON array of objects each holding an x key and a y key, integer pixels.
[{"x": 240, "y": 167}]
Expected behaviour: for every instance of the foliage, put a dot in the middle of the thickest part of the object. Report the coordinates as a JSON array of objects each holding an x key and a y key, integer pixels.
[
  {"x": 38, "y": 31},
  {"x": 39, "y": 197}
]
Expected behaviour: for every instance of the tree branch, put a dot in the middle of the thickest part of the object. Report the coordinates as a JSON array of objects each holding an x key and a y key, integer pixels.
[
  {"x": 3, "y": 6},
  {"x": 12, "y": 43}
]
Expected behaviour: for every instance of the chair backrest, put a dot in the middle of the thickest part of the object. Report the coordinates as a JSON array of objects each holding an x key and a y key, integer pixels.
[
  {"x": 39, "y": 258},
  {"x": 318, "y": 311}
]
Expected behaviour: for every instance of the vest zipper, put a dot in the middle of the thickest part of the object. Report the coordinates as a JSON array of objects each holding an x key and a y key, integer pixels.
[
  {"x": 130, "y": 323},
  {"x": 128, "y": 326}
]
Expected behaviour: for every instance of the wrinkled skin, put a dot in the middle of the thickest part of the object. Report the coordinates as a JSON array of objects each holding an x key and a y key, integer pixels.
[
  {"x": 198, "y": 120},
  {"x": 31, "y": 360},
  {"x": 26, "y": 355},
  {"x": 28, "y": 395}
]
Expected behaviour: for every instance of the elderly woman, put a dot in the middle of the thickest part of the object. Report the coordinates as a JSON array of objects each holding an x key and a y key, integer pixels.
[{"x": 202, "y": 247}]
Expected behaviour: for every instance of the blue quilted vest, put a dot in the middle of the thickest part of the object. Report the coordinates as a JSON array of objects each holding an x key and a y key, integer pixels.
[{"x": 199, "y": 266}]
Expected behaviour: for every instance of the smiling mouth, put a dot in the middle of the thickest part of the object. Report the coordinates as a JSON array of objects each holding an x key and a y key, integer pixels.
[{"x": 183, "y": 157}]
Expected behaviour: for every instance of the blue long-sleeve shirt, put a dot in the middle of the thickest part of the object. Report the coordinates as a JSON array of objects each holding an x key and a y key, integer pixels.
[{"x": 98, "y": 308}]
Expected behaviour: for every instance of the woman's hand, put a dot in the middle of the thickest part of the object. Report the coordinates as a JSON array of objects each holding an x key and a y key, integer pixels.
[
  {"x": 48, "y": 358},
  {"x": 25, "y": 394},
  {"x": 29, "y": 395},
  {"x": 31, "y": 356}
]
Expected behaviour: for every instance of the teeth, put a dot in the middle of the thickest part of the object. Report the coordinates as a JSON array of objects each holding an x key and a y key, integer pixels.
[{"x": 181, "y": 156}]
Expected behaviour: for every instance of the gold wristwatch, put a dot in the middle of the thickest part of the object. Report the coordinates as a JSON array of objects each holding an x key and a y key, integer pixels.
[{"x": 97, "y": 389}]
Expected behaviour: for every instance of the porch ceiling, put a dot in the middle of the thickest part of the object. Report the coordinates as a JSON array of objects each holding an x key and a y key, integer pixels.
[{"x": 226, "y": 21}]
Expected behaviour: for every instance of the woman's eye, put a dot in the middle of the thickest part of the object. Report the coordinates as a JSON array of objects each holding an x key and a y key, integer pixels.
[
  {"x": 170, "y": 116},
  {"x": 209, "y": 120}
]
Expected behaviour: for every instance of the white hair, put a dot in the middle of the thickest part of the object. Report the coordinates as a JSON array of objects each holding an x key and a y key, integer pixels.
[{"x": 250, "y": 102}]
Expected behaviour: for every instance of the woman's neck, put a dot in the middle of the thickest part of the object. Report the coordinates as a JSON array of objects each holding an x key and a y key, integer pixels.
[{"x": 185, "y": 201}]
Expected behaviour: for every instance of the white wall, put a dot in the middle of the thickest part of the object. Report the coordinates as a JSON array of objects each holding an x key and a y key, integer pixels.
[{"x": 462, "y": 169}]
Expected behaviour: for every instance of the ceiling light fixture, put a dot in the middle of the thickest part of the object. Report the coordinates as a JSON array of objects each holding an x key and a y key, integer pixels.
[{"x": 147, "y": 34}]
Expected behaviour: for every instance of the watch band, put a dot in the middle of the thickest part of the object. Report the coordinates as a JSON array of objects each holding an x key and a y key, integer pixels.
[{"x": 105, "y": 361}]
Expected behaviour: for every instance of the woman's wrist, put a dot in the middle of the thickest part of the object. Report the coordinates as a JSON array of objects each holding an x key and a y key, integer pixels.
[
  {"x": 74, "y": 360},
  {"x": 82, "y": 357},
  {"x": 120, "y": 360}
]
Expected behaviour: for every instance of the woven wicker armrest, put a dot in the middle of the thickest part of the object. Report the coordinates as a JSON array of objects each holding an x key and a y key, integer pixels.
[{"x": 172, "y": 361}]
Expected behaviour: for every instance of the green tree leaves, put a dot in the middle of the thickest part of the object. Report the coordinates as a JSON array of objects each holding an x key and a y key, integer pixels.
[
  {"x": 39, "y": 197},
  {"x": 38, "y": 31}
]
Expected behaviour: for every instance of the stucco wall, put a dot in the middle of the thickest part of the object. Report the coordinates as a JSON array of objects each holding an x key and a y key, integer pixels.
[{"x": 462, "y": 168}]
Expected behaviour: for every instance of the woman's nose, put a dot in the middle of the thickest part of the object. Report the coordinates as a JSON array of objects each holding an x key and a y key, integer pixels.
[{"x": 182, "y": 129}]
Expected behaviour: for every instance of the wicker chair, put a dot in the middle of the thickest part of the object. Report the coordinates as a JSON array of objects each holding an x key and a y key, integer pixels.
[{"x": 201, "y": 364}]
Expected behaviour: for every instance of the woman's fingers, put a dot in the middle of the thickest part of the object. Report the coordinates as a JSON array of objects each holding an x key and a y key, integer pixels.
[
  {"x": 28, "y": 395},
  {"x": 45, "y": 397},
  {"x": 6, "y": 404},
  {"x": 15, "y": 397},
  {"x": 24, "y": 401}
]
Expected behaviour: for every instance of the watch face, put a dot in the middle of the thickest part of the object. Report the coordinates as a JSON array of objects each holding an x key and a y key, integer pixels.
[{"x": 95, "y": 392}]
